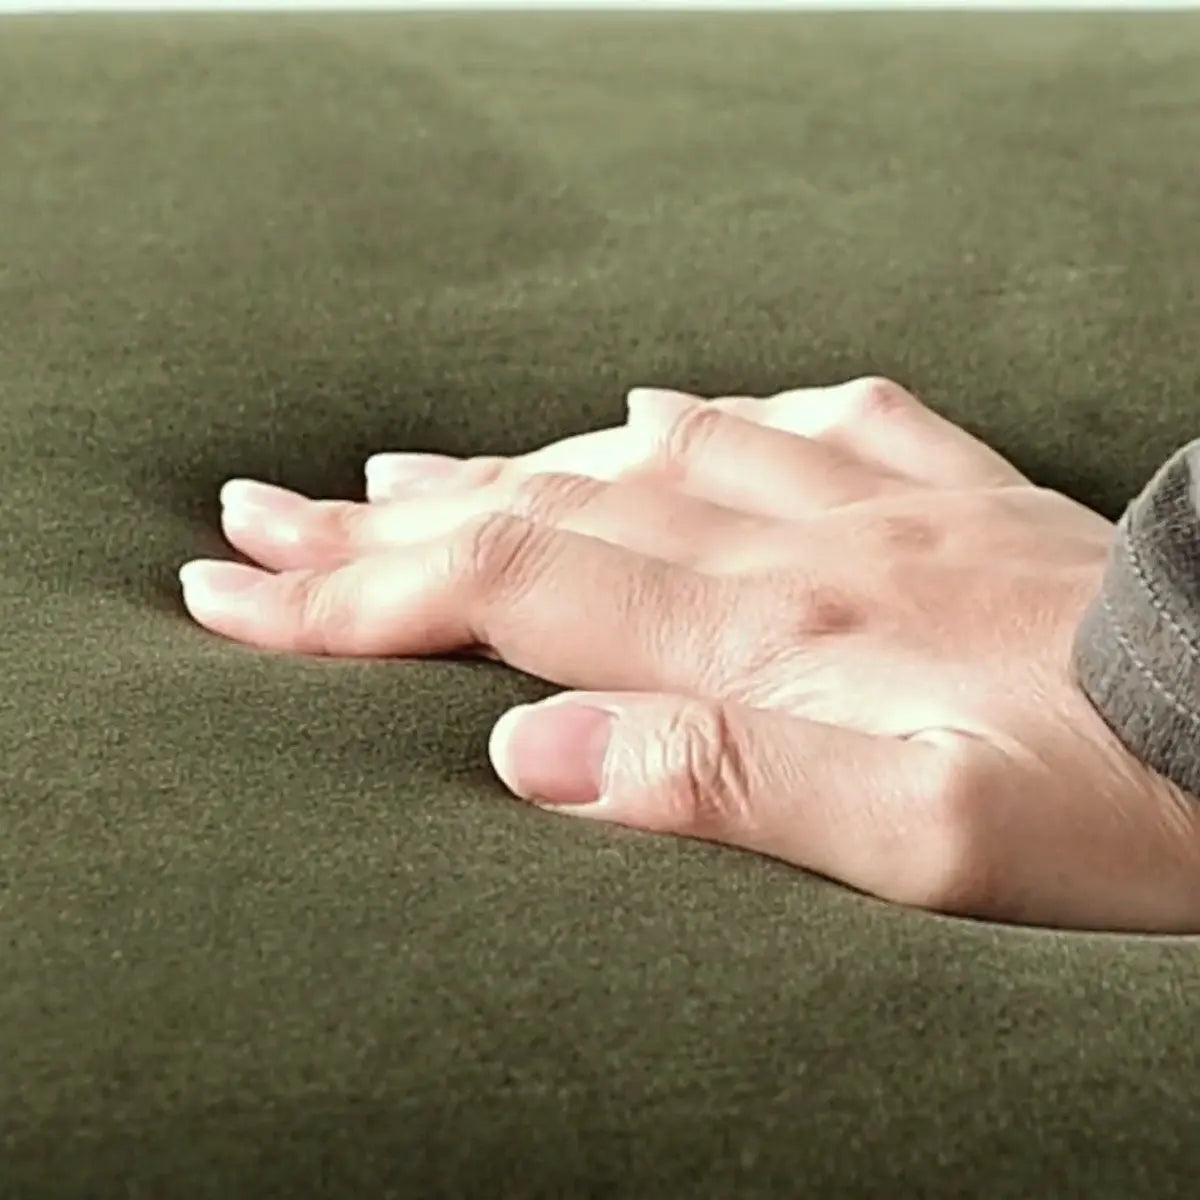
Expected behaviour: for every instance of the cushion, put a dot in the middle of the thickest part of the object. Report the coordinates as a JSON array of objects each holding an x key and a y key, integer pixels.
[{"x": 270, "y": 925}]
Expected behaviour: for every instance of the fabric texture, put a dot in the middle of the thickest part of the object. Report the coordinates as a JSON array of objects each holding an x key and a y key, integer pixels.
[
  {"x": 1137, "y": 650},
  {"x": 269, "y": 926}
]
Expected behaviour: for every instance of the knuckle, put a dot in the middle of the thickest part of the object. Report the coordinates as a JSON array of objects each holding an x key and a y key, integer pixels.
[
  {"x": 955, "y": 863},
  {"x": 876, "y": 398},
  {"x": 322, "y": 610},
  {"x": 827, "y": 611},
  {"x": 483, "y": 470},
  {"x": 501, "y": 551},
  {"x": 689, "y": 433},
  {"x": 708, "y": 771},
  {"x": 342, "y": 521},
  {"x": 552, "y": 496},
  {"x": 803, "y": 606},
  {"x": 782, "y": 626}
]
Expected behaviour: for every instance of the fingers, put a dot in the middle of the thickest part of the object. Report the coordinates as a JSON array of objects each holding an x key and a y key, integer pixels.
[
  {"x": 603, "y": 454},
  {"x": 566, "y": 607},
  {"x": 880, "y": 422},
  {"x": 741, "y": 464},
  {"x": 887, "y": 816},
  {"x": 870, "y": 421},
  {"x": 285, "y": 531},
  {"x": 727, "y": 452}
]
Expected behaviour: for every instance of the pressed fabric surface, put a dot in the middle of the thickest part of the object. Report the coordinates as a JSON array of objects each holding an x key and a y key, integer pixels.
[{"x": 269, "y": 926}]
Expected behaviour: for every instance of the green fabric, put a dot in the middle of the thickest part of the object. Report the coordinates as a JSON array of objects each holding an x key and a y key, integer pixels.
[{"x": 268, "y": 926}]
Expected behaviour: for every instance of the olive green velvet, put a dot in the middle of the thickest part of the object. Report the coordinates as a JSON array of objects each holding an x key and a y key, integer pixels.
[{"x": 270, "y": 926}]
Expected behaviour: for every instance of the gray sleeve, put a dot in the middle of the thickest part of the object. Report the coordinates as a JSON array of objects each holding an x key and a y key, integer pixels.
[{"x": 1137, "y": 650}]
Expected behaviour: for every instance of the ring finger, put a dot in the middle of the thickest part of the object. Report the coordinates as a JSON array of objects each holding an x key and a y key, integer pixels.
[{"x": 694, "y": 448}]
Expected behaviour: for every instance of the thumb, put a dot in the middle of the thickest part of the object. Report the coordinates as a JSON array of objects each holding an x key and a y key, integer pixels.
[{"x": 879, "y": 813}]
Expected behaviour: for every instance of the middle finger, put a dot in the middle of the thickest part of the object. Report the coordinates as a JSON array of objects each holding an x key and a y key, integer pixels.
[{"x": 284, "y": 530}]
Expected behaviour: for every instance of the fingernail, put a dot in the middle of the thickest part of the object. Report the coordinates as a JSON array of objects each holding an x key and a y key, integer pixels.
[
  {"x": 388, "y": 473},
  {"x": 250, "y": 496},
  {"x": 553, "y": 753},
  {"x": 210, "y": 583}
]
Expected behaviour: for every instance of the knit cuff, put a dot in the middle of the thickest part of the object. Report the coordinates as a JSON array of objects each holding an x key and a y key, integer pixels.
[{"x": 1137, "y": 650}]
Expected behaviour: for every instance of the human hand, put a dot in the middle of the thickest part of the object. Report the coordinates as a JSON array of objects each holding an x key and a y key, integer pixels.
[{"x": 829, "y": 627}]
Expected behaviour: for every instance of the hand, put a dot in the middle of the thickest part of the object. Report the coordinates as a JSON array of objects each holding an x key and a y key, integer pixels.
[{"x": 829, "y": 626}]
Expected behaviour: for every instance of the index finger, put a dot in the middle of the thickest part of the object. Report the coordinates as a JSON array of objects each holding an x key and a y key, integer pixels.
[{"x": 570, "y": 608}]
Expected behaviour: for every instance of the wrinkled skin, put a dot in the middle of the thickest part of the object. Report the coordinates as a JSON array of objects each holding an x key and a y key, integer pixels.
[{"x": 828, "y": 626}]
